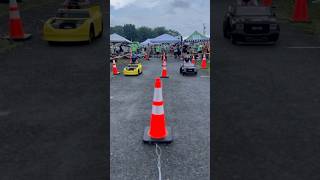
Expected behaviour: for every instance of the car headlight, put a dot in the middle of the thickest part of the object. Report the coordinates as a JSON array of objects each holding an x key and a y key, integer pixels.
[
  {"x": 239, "y": 26},
  {"x": 273, "y": 26}
]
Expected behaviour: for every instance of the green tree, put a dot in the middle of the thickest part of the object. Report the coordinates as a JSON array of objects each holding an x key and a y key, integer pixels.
[
  {"x": 117, "y": 29},
  {"x": 130, "y": 32},
  {"x": 144, "y": 33},
  {"x": 173, "y": 32},
  {"x": 159, "y": 31}
]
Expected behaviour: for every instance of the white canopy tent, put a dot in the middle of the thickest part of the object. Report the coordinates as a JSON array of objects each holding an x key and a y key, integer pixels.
[
  {"x": 165, "y": 38},
  {"x": 116, "y": 38}
]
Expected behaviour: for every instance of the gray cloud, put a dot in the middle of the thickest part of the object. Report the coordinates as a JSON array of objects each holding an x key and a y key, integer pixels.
[
  {"x": 186, "y": 18},
  {"x": 180, "y": 4}
]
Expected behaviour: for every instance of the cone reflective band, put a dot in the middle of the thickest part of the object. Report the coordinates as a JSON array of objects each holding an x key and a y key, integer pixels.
[
  {"x": 204, "y": 62},
  {"x": 114, "y": 68},
  {"x": 157, "y": 132},
  {"x": 15, "y": 23},
  {"x": 164, "y": 63},
  {"x": 301, "y": 11}
]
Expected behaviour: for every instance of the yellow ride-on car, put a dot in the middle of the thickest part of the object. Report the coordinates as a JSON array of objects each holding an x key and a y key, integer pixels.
[
  {"x": 74, "y": 25},
  {"x": 132, "y": 69}
]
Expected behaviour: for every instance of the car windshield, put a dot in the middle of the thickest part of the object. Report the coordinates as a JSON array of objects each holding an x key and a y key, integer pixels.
[
  {"x": 133, "y": 65},
  {"x": 253, "y": 11},
  {"x": 73, "y": 14}
]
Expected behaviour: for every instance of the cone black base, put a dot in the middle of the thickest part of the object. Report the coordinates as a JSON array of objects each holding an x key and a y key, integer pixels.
[
  {"x": 25, "y": 37},
  {"x": 164, "y": 77},
  {"x": 166, "y": 140}
]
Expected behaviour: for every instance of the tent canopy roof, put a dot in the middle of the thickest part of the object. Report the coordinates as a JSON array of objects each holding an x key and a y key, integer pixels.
[
  {"x": 196, "y": 36},
  {"x": 164, "y": 38},
  {"x": 115, "y": 38}
]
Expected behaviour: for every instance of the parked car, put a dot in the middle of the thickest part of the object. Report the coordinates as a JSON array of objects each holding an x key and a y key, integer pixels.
[
  {"x": 74, "y": 25},
  {"x": 251, "y": 23}
]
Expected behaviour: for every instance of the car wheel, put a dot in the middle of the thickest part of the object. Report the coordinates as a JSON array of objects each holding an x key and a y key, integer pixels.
[{"x": 91, "y": 34}]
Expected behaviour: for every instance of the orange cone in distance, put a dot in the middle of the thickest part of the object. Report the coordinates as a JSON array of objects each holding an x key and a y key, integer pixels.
[
  {"x": 114, "y": 68},
  {"x": 15, "y": 23},
  {"x": 164, "y": 63},
  {"x": 157, "y": 132},
  {"x": 300, "y": 11},
  {"x": 193, "y": 61},
  {"x": 164, "y": 73},
  {"x": 204, "y": 62}
]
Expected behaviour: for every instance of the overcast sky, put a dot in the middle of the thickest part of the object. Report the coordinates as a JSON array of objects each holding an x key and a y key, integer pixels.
[{"x": 184, "y": 16}]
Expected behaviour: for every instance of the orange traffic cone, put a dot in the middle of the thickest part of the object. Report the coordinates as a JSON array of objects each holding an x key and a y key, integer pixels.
[
  {"x": 204, "y": 62},
  {"x": 114, "y": 68},
  {"x": 300, "y": 11},
  {"x": 15, "y": 23},
  {"x": 164, "y": 72},
  {"x": 193, "y": 61},
  {"x": 157, "y": 132},
  {"x": 267, "y": 2}
]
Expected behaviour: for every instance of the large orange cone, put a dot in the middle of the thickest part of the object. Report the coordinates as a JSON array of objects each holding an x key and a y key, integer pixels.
[
  {"x": 157, "y": 132},
  {"x": 267, "y": 2},
  {"x": 114, "y": 68},
  {"x": 300, "y": 11},
  {"x": 204, "y": 62},
  {"x": 164, "y": 73},
  {"x": 193, "y": 61},
  {"x": 15, "y": 23}
]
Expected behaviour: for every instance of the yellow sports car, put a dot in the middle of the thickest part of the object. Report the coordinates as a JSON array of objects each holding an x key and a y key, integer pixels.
[
  {"x": 132, "y": 69},
  {"x": 71, "y": 25}
]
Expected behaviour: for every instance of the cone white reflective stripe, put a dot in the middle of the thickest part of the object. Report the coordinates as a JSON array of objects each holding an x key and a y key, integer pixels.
[
  {"x": 13, "y": 3},
  {"x": 157, "y": 110},
  {"x": 157, "y": 95},
  {"x": 13, "y": 10},
  {"x": 14, "y": 15}
]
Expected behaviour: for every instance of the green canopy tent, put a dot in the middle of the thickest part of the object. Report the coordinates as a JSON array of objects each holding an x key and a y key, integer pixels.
[{"x": 196, "y": 37}]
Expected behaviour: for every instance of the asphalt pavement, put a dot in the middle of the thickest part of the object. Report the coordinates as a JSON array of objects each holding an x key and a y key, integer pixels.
[
  {"x": 53, "y": 116},
  {"x": 266, "y": 103},
  {"x": 187, "y": 111}
]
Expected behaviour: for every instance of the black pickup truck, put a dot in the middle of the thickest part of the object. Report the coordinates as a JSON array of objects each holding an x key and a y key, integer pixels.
[{"x": 251, "y": 23}]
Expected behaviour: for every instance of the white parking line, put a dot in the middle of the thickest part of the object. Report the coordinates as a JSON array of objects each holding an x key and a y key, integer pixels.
[{"x": 304, "y": 47}]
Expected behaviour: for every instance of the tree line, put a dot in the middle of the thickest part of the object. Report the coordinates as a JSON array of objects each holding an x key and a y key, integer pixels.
[{"x": 140, "y": 34}]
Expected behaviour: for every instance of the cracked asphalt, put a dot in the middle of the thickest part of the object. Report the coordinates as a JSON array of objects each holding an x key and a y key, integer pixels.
[{"x": 187, "y": 110}]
